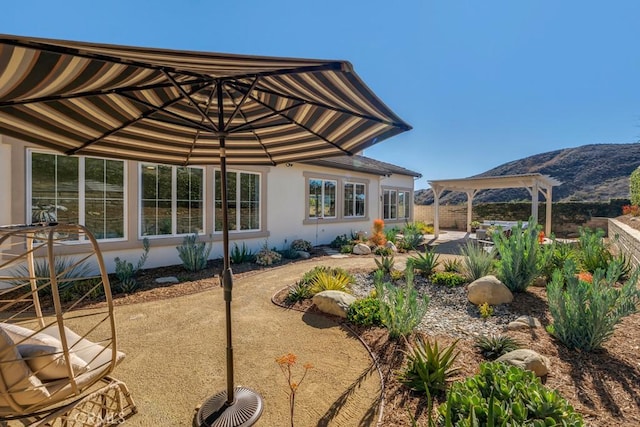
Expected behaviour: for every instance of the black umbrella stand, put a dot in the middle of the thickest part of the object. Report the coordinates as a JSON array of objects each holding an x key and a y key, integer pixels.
[{"x": 235, "y": 406}]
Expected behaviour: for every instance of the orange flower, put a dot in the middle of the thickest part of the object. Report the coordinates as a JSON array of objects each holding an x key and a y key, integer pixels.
[
  {"x": 585, "y": 276},
  {"x": 541, "y": 237}
]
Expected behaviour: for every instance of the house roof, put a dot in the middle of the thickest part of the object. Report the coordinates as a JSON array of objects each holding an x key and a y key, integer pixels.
[{"x": 363, "y": 164}]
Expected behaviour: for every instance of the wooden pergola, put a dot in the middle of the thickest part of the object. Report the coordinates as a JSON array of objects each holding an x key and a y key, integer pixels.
[{"x": 535, "y": 183}]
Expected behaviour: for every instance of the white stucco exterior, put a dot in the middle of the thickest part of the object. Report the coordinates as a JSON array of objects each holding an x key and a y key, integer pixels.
[{"x": 283, "y": 207}]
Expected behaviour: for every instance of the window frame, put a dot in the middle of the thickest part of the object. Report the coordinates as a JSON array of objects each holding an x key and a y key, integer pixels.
[
  {"x": 238, "y": 201},
  {"x": 355, "y": 185},
  {"x": 341, "y": 181},
  {"x": 174, "y": 201},
  {"x": 397, "y": 191},
  {"x": 82, "y": 202}
]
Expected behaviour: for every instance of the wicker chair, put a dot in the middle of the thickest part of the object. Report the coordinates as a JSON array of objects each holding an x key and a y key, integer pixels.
[{"x": 58, "y": 343}]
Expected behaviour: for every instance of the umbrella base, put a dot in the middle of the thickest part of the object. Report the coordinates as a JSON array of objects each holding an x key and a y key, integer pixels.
[{"x": 244, "y": 411}]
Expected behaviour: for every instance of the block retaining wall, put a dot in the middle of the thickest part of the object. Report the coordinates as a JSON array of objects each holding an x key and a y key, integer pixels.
[{"x": 628, "y": 240}]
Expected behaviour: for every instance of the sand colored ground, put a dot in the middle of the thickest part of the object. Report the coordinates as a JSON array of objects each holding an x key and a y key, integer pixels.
[{"x": 176, "y": 354}]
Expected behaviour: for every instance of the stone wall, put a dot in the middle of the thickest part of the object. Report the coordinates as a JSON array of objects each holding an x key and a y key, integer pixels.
[{"x": 628, "y": 240}]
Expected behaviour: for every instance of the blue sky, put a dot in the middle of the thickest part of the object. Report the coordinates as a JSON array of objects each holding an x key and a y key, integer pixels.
[{"x": 481, "y": 82}]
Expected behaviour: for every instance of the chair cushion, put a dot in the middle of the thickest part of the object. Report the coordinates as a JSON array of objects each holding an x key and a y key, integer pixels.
[
  {"x": 44, "y": 354},
  {"x": 23, "y": 386}
]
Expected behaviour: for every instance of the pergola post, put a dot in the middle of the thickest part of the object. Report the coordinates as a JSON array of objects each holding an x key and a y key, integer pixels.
[
  {"x": 549, "y": 203},
  {"x": 534, "y": 201},
  {"x": 470, "y": 195},
  {"x": 436, "y": 210}
]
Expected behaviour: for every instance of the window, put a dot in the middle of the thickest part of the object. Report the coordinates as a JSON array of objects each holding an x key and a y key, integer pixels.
[
  {"x": 243, "y": 194},
  {"x": 172, "y": 200},
  {"x": 322, "y": 198},
  {"x": 354, "y": 199},
  {"x": 395, "y": 204},
  {"x": 82, "y": 190}
]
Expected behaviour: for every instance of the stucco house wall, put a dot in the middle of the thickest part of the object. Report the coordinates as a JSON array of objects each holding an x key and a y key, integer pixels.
[{"x": 284, "y": 202}]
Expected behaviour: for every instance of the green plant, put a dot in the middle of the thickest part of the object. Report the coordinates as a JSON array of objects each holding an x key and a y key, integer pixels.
[
  {"x": 126, "y": 271},
  {"x": 593, "y": 253},
  {"x": 385, "y": 263},
  {"x": 493, "y": 346},
  {"x": 365, "y": 312},
  {"x": 301, "y": 245},
  {"x": 346, "y": 249},
  {"x": 475, "y": 224},
  {"x": 412, "y": 237},
  {"x": 340, "y": 241},
  {"x": 476, "y": 261},
  {"x": 401, "y": 308},
  {"x": 331, "y": 281},
  {"x": 240, "y": 255},
  {"x": 310, "y": 275},
  {"x": 485, "y": 310},
  {"x": 503, "y": 395},
  {"x": 68, "y": 270},
  {"x": 391, "y": 234},
  {"x": 452, "y": 265},
  {"x": 193, "y": 254},
  {"x": 396, "y": 275},
  {"x": 634, "y": 187},
  {"x": 425, "y": 262},
  {"x": 429, "y": 367},
  {"x": 286, "y": 363},
  {"x": 298, "y": 292},
  {"x": 267, "y": 256},
  {"x": 447, "y": 278},
  {"x": 585, "y": 314},
  {"x": 518, "y": 263},
  {"x": 289, "y": 253},
  {"x": 383, "y": 251}
]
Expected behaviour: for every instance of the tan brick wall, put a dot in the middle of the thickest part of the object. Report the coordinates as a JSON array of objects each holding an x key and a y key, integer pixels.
[
  {"x": 628, "y": 240},
  {"x": 452, "y": 217}
]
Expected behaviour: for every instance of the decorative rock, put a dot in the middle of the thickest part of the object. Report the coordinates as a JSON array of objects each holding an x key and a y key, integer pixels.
[
  {"x": 304, "y": 255},
  {"x": 333, "y": 302},
  {"x": 527, "y": 359},
  {"x": 539, "y": 282},
  {"x": 524, "y": 322},
  {"x": 490, "y": 290},
  {"x": 168, "y": 279},
  {"x": 391, "y": 246},
  {"x": 361, "y": 249}
]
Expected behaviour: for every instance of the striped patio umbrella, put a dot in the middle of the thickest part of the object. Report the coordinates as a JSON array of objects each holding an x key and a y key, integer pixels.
[{"x": 187, "y": 108}]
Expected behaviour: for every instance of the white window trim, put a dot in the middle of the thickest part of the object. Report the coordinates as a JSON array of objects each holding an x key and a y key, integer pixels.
[
  {"x": 174, "y": 202},
  {"x": 261, "y": 219},
  {"x": 81, "y": 193}
]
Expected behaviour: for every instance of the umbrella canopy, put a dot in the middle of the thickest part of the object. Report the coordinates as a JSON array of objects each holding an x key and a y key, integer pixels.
[
  {"x": 188, "y": 108},
  {"x": 172, "y": 107}
]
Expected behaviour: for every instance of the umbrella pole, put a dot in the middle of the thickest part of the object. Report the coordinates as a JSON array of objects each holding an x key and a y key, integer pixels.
[{"x": 239, "y": 406}]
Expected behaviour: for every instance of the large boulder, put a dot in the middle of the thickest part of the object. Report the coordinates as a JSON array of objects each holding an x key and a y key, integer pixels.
[
  {"x": 333, "y": 302},
  {"x": 527, "y": 359},
  {"x": 361, "y": 249},
  {"x": 391, "y": 246},
  {"x": 490, "y": 290}
]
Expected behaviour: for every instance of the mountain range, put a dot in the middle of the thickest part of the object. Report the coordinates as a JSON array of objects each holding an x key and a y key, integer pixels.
[{"x": 596, "y": 172}]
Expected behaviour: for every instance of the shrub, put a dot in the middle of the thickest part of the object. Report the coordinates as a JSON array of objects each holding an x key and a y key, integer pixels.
[
  {"x": 289, "y": 253},
  {"x": 298, "y": 292},
  {"x": 503, "y": 395},
  {"x": 331, "y": 281},
  {"x": 391, "y": 234},
  {"x": 452, "y": 265},
  {"x": 193, "y": 254},
  {"x": 340, "y": 241},
  {"x": 632, "y": 210},
  {"x": 585, "y": 314},
  {"x": 476, "y": 262},
  {"x": 378, "y": 238},
  {"x": 401, "y": 308},
  {"x": 346, "y": 249},
  {"x": 594, "y": 253},
  {"x": 68, "y": 271},
  {"x": 447, "y": 278},
  {"x": 126, "y": 271},
  {"x": 385, "y": 263},
  {"x": 493, "y": 346},
  {"x": 518, "y": 263},
  {"x": 383, "y": 251},
  {"x": 552, "y": 257},
  {"x": 240, "y": 255},
  {"x": 634, "y": 187},
  {"x": 267, "y": 256},
  {"x": 412, "y": 237},
  {"x": 429, "y": 367},
  {"x": 301, "y": 245},
  {"x": 426, "y": 262},
  {"x": 396, "y": 275},
  {"x": 365, "y": 312}
]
